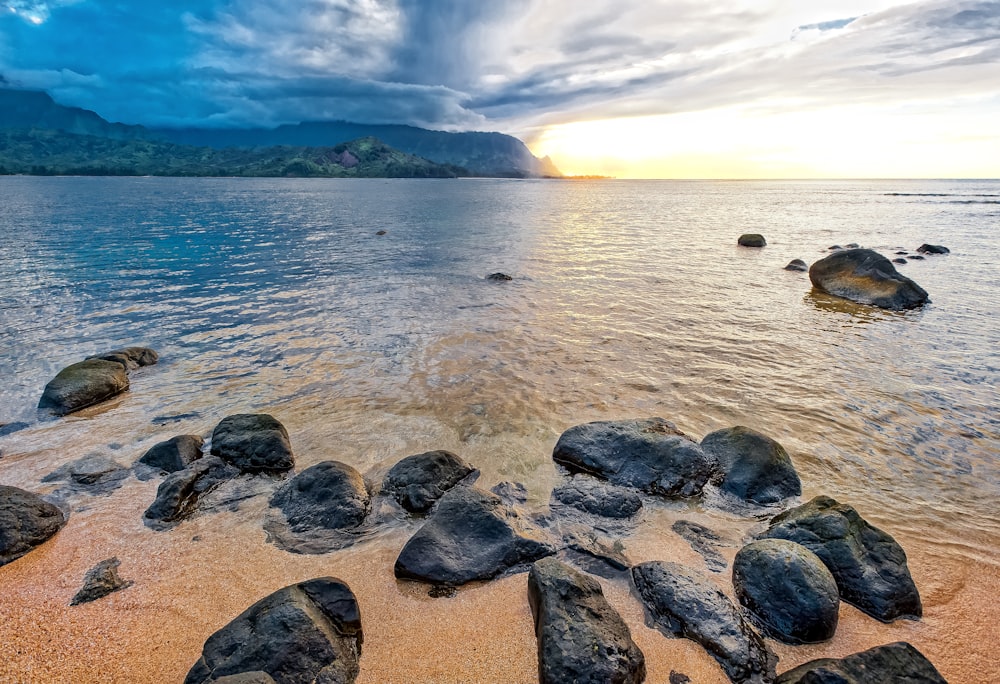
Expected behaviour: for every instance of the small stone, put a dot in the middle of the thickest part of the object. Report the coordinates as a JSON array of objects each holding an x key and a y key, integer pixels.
[
  {"x": 498, "y": 277},
  {"x": 751, "y": 240},
  {"x": 797, "y": 265},
  {"x": 100, "y": 580},
  {"x": 933, "y": 249}
]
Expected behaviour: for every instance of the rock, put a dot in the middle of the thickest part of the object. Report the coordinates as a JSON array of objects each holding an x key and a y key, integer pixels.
[
  {"x": 83, "y": 384},
  {"x": 595, "y": 554},
  {"x": 797, "y": 265},
  {"x": 253, "y": 442},
  {"x": 868, "y": 565},
  {"x": 916, "y": 257},
  {"x": 852, "y": 245},
  {"x": 751, "y": 240},
  {"x": 246, "y": 678},
  {"x": 703, "y": 541},
  {"x": 469, "y": 536},
  {"x": 581, "y": 638},
  {"x": 307, "y": 632},
  {"x": 100, "y": 580},
  {"x": 899, "y": 260},
  {"x": 418, "y": 481},
  {"x": 598, "y": 498},
  {"x": 380, "y": 232},
  {"x": 499, "y": 277},
  {"x": 651, "y": 455},
  {"x": 178, "y": 494},
  {"x": 933, "y": 249},
  {"x": 9, "y": 428},
  {"x": 897, "y": 663},
  {"x": 93, "y": 474},
  {"x": 679, "y": 678},
  {"x": 131, "y": 357},
  {"x": 834, "y": 248},
  {"x": 511, "y": 493},
  {"x": 177, "y": 453},
  {"x": 752, "y": 466},
  {"x": 26, "y": 521},
  {"x": 789, "y": 592},
  {"x": 686, "y": 604},
  {"x": 866, "y": 277}
]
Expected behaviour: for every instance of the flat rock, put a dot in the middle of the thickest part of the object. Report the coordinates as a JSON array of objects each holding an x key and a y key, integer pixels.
[
  {"x": 704, "y": 541},
  {"x": 305, "y": 633},
  {"x": 598, "y": 498},
  {"x": 26, "y": 521},
  {"x": 684, "y": 603},
  {"x": 866, "y": 277},
  {"x": 93, "y": 474},
  {"x": 788, "y": 591},
  {"x": 933, "y": 249},
  {"x": 797, "y": 265},
  {"x": 897, "y": 663},
  {"x": 751, "y": 240},
  {"x": 752, "y": 466},
  {"x": 581, "y": 638},
  {"x": 253, "y": 442},
  {"x": 100, "y": 580},
  {"x": 470, "y": 535},
  {"x": 178, "y": 495},
  {"x": 651, "y": 455},
  {"x": 174, "y": 454},
  {"x": 868, "y": 565},
  {"x": 418, "y": 481},
  {"x": 83, "y": 384}
]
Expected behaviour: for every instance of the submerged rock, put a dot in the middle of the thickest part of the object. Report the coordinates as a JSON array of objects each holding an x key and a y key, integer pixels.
[
  {"x": 703, "y": 541},
  {"x": 797, "y": 265},
  {"x": 752, "y": 466},
  {"x": 307, "y": 632},
  {"x": 470, "y": 535},
  {"x": 788, "y": 591},
  {"x": 83, "y": 384},
  {"x": 418, "y": 481},
  {"x": 498, "y": 277},
  {"x": 100, "y": 580},
  {"x": 253, "y": 442},
  {"x": 899, "y": 260},
  {"x": 868, "y": 565},
  {"x": 685, "y": 604},
  {"x": 897, "y": 663},
  {"x": 598, "y": 498},
  {"x": 131, "y": 357},
  {"x": 26, "y": 521},
  {"x": 93, "y": 474},
  {"x": 751, "y": 240},
  {"x": 651, "y": 455},
  {"x": 511, "y": 493},
  {"x": 866, "y": 277},
  {"x": 933, "y": 249},
  {"x": 10, "y": 428},
  {"x": 178, "y": 495},
  {"x": 176, "y": 453},
  {"x": 581, "y": 638}
]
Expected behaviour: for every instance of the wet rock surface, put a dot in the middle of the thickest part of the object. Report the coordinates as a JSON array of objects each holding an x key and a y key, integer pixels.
[
  {"x": 752, "y": 466},
  {"x": 100, "y": 580},
  {"x": 868, "y": 565},
  {"x": 253, "y": 442},
  {"x": 418, "y": 481},
  {"x": 866, "y": 277},
  {"x": 684, "y": 603},
  {"x": 83, "y": 384},
  {"x": 305, "y": 633},
  {"x": 174, "y": 454},
  {"x": 178, "y": 495},
  {"x": 26, "y": 521},
  {"x": 598, "y": 498},
  {"x": 751, "y": 240},
  {"x": 498, "y": 277},
  {"x": 131, "y": 357},
  {"x": 797, "y": 265},
  {"x": 581, "y": 638},
  {"x": 898, "y": 663},
  {"x": 704, "y": 541},
  {"x": 933, "y": 249}
]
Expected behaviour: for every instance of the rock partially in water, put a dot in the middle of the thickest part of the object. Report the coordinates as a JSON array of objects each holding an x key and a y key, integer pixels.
[
  {"x": 797, "y": 265},
  {"x": 418, "y": 481},
  {"x": 788, "y": 591},
  {"x": 253, "y": 442},
  {"x": 581, "y": 638},
  {"x": 94, "y": 474},
  {"x": 26, "y": 521},
  {"x": 100, "y": 580},
  {"x": 751, "y": 240},
  {"x": 704, "y": 541},
  {"x": 933, "y": 249},
  {"x": 897, "y": 663},
  {"x": 868, "y": 565},
  {"x": 305, "y": 633},
  {"x": 498, "y": 277},
  {"x": 866, "y": 277},
  {"x": 899, "y": 260},
  {"x": 178, "y": 495},
  {"x": 651, "y": 455},
  {"x": 470, "y": 535},
  {"x": 684, "y": 603},
  {"x": 176, "y": 453},
  {"x": 595, "y": 553},
  {"x": 752, "y": 466},
  {"x": 83, "y": 384},
  {"x": 511, "y": 493},
  {"x": 598, "y": 498},
  {"x": 131, "y": 357},
  {"x": 10, "y": 428}
]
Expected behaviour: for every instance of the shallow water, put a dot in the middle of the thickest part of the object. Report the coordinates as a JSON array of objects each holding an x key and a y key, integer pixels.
[{"x": 629, "y": 299}]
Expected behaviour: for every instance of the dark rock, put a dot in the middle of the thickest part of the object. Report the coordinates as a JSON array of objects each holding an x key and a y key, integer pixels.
[
  {"x": 131, "y": 357},
  {"x": 897, "y": 663},
  {"x": 246, "y": 678},
  {"x": 26, "y": 521},
  {"x": 598, "y": 498},
  {"x": 595, "y": 553},
  {"x": 834, "y": 248},
  {"x": 866, "y": 277},
  {"x": 380, "y": 232},
  {"x": 83, "y": 384},
  {"x": 581, "y": 638},
  {"x": 933, "y": 249},
  {"x": 8, "y": 428},
  {"x": 704, "y": 541},
  {"x": 852, "y": 245},
  {"x": 752, "y": 466},
  {"x": 100, "y": 580},
  {"x": 305, "y": 633},
  {"x": 178, "y": 494},
  {"x": 499, "y": 277},
  {"x": 418, "y": 481},
  {"x": 902, "y": 253},
  {"x": 177, "y": 453},
  {"x": 469, "y": 536},
  {"x": 868, "y": 565},
  {"x": 253, "y": 442},
  {"x": 679, "y": 678},
  {"x": 94, "y": 474},
  {"x": 686, "y": 604},
  {"x": 176, "y": 418},
  {"x": 789, "y": 592},
  {"x": 916, "y": 257},
  {"x": 751, "y": 240},
  {"x": 329, "y": 495},
  {"x": 899, "y": 260},
  {"x": 511, "y": 493},
  {"x": 651, "y": 455},
  {"x": 797, "y": 265}
]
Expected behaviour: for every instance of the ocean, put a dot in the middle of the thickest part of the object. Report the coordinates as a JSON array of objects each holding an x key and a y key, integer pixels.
[{"x": 628, "y": 299}]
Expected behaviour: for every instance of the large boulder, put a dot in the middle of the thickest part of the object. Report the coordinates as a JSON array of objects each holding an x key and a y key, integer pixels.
[
  {"x": 581, "y": 638},
  {"x": 470, "y": 535},
  {"x": 418, "y": 481},
  {"x": 752, "y": 466},
  {"x": 331, "y": 495},
  {"x": 176, "y": 453},
  {"x": 306, "y": 633},
  {"x": 598, "y": 498},
  {"x": 788, "y": 591},
  {"x": 866, "y": 277},
  {"x": 684, "y": 603},
  {"x": 897, "y": 663},
  {"x": 83, "y": 384},
  {"x": 253, "y": 442},
  {"x": 26, "y": 520},
  {"x": 178, "y": 495},
  {"x": 100, "y": 580},
  {"x": 651, "y": 455},
  {"x": 868, "y": 565}
]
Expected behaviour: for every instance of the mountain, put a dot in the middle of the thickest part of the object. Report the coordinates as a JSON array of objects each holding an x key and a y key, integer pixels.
[{"x": 486, "y": 154}]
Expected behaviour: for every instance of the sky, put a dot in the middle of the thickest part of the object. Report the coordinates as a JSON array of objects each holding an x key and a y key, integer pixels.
[{"x": 626, "y": 88}]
